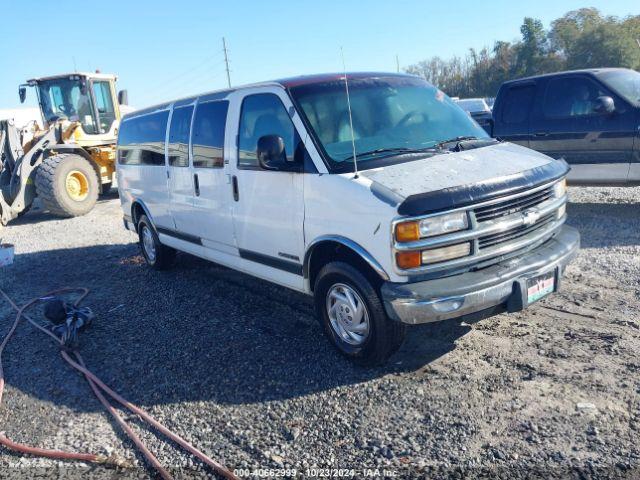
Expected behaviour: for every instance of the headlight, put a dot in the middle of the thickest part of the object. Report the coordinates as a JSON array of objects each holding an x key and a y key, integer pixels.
[
  {"x": 431, "y": 227},
  {"x": 417, "y": 258},
  {"x": 560, "y": 188}
]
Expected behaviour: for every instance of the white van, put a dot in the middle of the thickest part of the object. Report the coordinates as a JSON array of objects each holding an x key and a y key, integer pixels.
[{"x": 389, "y": 205}]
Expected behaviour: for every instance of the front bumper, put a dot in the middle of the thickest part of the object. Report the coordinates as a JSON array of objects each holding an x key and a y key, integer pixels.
[{"x": 496, "y": 286}]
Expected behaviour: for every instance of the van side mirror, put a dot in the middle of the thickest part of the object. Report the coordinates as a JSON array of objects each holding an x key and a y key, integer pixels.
[
  {"x": 604, "y": 105},
  {"x": 271, "y": 153},
  {"x": 123, "y": 97},
  {"x": 22, "y": 93}
]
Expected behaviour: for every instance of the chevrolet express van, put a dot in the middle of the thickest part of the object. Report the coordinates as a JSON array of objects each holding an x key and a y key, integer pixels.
[{"x": 388, "y": 204}]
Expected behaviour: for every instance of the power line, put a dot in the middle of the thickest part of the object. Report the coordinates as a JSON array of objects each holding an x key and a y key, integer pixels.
[
  {"x": 186, "y": 77},
  {"x": 170, "y": 82}
]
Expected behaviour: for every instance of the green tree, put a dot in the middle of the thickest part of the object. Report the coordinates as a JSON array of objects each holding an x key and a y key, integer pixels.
[
  {"x": 533, "y": 48},
  {"x": 581, "y": 38}
]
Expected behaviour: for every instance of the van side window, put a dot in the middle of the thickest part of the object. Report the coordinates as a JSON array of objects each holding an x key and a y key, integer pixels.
[
  {"x": 517, "y": 104},
  {"x": 208, "y": 134},
  {"x": 571, "y": 97},
  {"x": 141, "y": 140},
  {"x": 263, "y": 114},
  {"x": 179, "y": 136}
]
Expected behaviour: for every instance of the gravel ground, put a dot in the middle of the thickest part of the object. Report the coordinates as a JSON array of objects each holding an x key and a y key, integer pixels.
[{"x": 240, "y": 367}]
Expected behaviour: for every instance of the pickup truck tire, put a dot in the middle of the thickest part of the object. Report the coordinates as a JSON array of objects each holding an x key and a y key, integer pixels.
[
  {"x": 157, "y": 255},
  {"x": 67, "y": 184},
  {"x": 345, "y": 301}
]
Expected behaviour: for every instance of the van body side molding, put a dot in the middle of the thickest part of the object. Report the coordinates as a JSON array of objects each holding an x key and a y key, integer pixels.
[
  {"x": 180, "y": 236},
  {"x": 270, "y": 261}
]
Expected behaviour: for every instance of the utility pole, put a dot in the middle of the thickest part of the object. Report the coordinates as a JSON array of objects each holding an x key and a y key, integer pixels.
[
  {"x": 397, "y": 63},
  {"x": 226, "y": 61}
]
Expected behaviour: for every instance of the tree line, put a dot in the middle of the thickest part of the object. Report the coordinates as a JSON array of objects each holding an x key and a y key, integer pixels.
[{"x": 580, "y": 39}]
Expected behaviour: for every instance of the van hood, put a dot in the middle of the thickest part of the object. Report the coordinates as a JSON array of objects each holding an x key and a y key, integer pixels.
[{"x": 458, "y": 179}]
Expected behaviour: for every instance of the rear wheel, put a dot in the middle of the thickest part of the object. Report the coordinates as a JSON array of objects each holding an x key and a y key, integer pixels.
[
  {"x": 67, "y": 184},
  {"x": 353, "y": 316},
  {"x": 157, "y": 255}
]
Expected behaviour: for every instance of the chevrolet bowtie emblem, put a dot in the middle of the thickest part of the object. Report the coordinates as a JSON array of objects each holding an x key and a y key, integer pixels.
[{"x": 530, "y": 217}]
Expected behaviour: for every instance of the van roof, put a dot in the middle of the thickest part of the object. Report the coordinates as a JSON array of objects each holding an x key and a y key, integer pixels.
[
  {"x": 591, "y": 71},
  {"x": 289, "y": 82},
  {"x": 329, "y": 77}
]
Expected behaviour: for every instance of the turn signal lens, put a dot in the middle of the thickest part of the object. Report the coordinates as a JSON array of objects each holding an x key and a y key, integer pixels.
[
  {"x": 442, "y": 254},
  {"x": 406, "y": 260},
  {"x": 407, "y": 232}
]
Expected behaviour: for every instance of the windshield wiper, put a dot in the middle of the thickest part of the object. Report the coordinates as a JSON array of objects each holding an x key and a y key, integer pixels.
[
  {"x": 391, "y": 151},
  {"x": 461, "y": 138}
]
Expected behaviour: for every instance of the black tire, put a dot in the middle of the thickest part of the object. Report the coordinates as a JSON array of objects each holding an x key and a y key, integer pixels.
[
  {"x": 384, "y": 337},
  {"x": 162, "y": 256},
  {"x": 51, "y": 185},
  {"x": 105, "y": 188}
]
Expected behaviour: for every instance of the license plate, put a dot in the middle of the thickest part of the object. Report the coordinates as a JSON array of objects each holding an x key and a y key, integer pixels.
[{"x": 540, "y": 286}]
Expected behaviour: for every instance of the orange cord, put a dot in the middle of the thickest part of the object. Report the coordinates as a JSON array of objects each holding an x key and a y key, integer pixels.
[{"x": 98, "y": 388}]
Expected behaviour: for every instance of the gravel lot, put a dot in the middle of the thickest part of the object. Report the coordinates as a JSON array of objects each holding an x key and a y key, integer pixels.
[{"x": 240, "y": 367}]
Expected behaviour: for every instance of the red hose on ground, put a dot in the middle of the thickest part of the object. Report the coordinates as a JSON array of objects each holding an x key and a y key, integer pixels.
[{"x": 94, "y": 383}]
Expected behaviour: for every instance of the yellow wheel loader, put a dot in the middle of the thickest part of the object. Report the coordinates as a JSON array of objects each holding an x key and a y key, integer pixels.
[{"x": 69, "y": 162}]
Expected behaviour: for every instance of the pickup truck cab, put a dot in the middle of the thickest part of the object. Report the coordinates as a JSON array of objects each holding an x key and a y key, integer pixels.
[
  {"x": 389, "y": 204},
  {"x": 590, "y": 118}
]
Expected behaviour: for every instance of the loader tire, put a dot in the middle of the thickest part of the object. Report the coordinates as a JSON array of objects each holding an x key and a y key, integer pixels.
[{"x": 67, "y": 184}]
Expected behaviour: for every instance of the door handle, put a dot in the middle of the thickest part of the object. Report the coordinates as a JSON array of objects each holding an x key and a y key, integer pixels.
[
  {"x": 541, "y": 134},
  {"x": 196, "y": 184},
  {"x": 234, "y": 183}
]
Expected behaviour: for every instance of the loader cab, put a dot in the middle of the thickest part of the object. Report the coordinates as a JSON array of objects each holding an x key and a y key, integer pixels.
[{"x": 89, "y": 99}]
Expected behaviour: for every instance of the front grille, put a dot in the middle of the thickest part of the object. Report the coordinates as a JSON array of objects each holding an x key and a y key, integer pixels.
[
  {"x": 514, "y": 233},
  {"x": 514, "y": 205}
]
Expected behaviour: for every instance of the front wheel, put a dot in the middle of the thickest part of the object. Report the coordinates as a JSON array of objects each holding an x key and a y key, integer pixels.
[{"x": 353, "y": 316}]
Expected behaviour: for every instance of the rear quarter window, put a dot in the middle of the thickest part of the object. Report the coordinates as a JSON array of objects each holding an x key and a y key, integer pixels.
[
  {"x": 141, "y": 140},
  {"x": 516, "y": 104}
]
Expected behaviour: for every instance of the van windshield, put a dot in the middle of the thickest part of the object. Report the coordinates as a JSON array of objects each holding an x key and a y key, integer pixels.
[{"x": 391, "y": 115}]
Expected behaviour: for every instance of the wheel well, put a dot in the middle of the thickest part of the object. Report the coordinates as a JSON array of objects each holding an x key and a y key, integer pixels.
[
  {"x": 136, "y": 212},
  {"x": 332, "y": 251}
]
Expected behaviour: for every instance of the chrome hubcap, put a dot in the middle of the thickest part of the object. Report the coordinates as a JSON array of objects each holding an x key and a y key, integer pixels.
[
  {"x": 148, "y": 244},
  {"x": 348, "y": 314}
]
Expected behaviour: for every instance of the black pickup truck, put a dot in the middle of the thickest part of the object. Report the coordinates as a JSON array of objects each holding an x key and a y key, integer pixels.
[{"x": 590, "y": 118}]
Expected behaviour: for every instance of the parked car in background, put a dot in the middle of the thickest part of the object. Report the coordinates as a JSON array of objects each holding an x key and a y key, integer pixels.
[
  {"x": 479, "y": 111},
  {"x": 490, "y": 101},
  {"x": 590, "y": 118},
  {"x": 439, "y": 221}
]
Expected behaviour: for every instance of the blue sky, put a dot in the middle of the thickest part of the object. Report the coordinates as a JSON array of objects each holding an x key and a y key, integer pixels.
[{"x": 163, "y": 50}]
